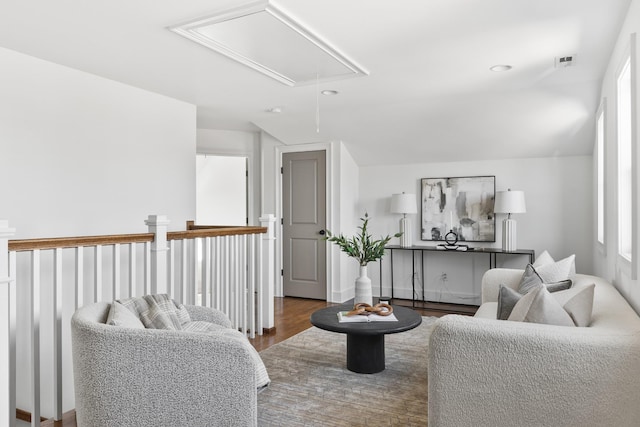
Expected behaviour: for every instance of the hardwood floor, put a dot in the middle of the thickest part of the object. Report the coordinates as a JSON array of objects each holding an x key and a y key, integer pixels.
[{"x": 292, "y": 316}]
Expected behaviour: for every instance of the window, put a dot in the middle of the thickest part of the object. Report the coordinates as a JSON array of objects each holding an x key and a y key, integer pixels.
[
  {"x": 625, "y": 163},
  {"x": 600, "y": 169}
]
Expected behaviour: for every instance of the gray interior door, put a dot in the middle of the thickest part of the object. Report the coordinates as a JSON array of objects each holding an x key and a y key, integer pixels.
[{"x": 304, "y": 221}]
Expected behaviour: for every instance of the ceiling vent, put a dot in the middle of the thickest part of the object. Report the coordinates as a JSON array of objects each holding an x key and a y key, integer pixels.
[
  {"x": 264, "y": 38},
  {"x": 565, "y": 61}
]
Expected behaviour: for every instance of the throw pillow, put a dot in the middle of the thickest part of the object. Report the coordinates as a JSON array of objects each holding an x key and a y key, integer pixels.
[
  {"x": 507, "y": 299},
  {"x": 531, "y": 278},
  {"x": 554, "y": 271},
  {"x": 119, "y": 315},
  {"x": 578, "y": 303},
  {"x": 543, "y": 259},
  {"x": 155, "y": 311},
  {"x": 539, "y": 306}
]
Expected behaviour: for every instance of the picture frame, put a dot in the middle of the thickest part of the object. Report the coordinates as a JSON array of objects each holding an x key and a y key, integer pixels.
[{"x": 463, "y": 205}]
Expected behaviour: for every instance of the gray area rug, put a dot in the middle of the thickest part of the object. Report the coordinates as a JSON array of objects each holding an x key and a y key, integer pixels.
[{"x": 311, "y": 386}]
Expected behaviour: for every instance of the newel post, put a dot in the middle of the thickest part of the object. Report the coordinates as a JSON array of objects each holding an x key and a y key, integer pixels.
[
  {"x": 7, "y": 331},
  {"x": 158, "y": 225},
  {"x": 268, "y": 270}
]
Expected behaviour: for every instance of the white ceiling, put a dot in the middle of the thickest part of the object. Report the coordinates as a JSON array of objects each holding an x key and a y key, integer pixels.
[{"x": 429, "y": 96}]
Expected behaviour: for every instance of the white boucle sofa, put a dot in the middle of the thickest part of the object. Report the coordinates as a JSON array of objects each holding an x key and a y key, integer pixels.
[{"x": 488, "y": 372}]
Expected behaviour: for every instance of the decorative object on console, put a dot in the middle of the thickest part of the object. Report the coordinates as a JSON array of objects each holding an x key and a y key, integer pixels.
[
  {"x": 509, "y": 202},
  {"x": 363, "y": 248},
  {"x": 463, "y": 205},
  {"x": 404, "y": 204},
  {"x": 451, "y": 240}
]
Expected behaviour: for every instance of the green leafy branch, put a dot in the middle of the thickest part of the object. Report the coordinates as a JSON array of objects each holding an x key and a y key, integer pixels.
[{"x": 362, "y": 246}]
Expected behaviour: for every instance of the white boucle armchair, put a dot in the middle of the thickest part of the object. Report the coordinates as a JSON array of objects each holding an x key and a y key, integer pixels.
[
  {"x": 152, "y": 377},
  {"x": 493, "y": 373}
]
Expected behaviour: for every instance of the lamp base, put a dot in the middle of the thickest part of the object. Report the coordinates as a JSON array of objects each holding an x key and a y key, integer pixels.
[
  {"x": 509, "y": 235},
  {"x": 405, "y": 229}
]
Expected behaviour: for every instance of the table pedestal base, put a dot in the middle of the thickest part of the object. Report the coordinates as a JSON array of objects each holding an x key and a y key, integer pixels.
[{"x": 365, "y": 353}]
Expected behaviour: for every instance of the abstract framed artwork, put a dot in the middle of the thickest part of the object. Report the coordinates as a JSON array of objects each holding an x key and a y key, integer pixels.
[{"x": 463, "y": 205}]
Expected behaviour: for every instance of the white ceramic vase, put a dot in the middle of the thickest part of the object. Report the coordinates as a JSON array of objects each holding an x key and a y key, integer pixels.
[{"x": 363, "y": 287}]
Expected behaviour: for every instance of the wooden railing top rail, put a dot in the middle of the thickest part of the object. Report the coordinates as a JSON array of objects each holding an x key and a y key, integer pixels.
[
  {"x": 214, "y": 232},
  {"x": 73, "y": 242}
]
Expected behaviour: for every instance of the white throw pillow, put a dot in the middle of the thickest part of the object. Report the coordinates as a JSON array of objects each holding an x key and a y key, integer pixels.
[
  {"x": 578, "y": 303},
  {"x": 555, "y": 271},
  {"x": 539, "y": 306},
  {"x": 543, "y": 259}
]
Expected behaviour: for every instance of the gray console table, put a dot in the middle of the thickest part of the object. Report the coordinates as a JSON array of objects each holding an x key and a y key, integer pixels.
[{"x": 491, "y": 252}]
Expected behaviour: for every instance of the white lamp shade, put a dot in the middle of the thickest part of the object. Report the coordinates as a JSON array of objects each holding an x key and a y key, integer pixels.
[
  {"x": 404, "y": 203},
  {"x": 509, "y": 202}
]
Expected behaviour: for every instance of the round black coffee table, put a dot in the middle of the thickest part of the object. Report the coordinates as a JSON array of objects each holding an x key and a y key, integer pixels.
[{"x": 365, "y": 340}]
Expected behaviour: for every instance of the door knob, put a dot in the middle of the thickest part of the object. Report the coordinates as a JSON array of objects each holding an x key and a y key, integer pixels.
[{"x": 321, "y": 232}]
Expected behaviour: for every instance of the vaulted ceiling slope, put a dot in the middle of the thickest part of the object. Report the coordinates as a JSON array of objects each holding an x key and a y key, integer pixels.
[{"x": 429, "y": 95}]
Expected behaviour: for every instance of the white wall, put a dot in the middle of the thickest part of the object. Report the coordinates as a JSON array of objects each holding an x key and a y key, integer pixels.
[
  {"x": 607, "y": 263},
  {"x": 83, "y": 155},
  {"x": 237, "y": 143},
  {"x": 558, "y": 219},
  {"x": 347, "y": 195}
]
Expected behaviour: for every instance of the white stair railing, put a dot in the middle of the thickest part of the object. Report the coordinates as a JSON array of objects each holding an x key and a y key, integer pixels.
[{"x": 229, "y": 274}]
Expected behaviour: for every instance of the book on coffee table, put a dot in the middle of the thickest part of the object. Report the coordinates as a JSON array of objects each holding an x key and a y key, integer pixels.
[{"x": 359, "y": 318}]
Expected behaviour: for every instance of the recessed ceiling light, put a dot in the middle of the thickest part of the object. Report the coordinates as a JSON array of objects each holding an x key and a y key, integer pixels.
[
  {"x": 329, "y": 92},
  {"x": 274, "y": 110},
  {"x": 498, "y": 68}
]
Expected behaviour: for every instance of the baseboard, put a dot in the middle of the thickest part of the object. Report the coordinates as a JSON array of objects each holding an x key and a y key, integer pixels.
[{"x": 269, "y": 331}]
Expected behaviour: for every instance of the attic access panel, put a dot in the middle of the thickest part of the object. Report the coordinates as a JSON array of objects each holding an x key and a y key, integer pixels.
[{"x": 264, "y": 38}]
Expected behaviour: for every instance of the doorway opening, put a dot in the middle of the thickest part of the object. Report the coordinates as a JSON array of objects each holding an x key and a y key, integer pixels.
[{"x": 221, "y": 190}]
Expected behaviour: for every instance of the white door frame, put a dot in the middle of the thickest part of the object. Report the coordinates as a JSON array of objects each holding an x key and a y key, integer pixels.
[{"x": 279, "y": 150}]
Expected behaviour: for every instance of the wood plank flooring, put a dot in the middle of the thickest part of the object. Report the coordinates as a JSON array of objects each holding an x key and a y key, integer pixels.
[{"x": 291, "y": 316}]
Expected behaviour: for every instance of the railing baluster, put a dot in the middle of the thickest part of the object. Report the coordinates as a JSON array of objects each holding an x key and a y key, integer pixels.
[
  {"x": 184, "y": 272},
  {"x": 57, "y": 334},
  {"x": 171, "y": 269},
  {"x": 243, "y": 284},
  {"x": 115, "y": 292},
  {"x": 234, "y": 281},
  {"x": 79, "y": 277},
  {"x": 35, "y": 337},
  {"x": 206, "y": 271},
  {"x": 260, "y": 283},
  {"x": 132, "y": 269},
  {"x": 218, "y": 273},
  {"x": 226, "y": 282},
  {"x": 147, "y": 268},
  {"x": 251, "y": 278},
  {"x": 193, "y": 273},
  {"x": 97, "y": 274}
]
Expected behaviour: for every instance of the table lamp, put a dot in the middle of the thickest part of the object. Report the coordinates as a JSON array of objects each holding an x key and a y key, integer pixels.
[
  {"x": 509, "y": 202},
  {"x": 404, "y": 204}
]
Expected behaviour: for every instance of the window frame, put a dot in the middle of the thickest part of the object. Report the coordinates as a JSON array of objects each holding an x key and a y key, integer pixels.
[
  {"x": 600, "y": 152},
  {"x": 628, "y": 264}
]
